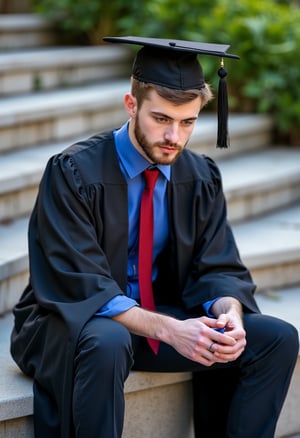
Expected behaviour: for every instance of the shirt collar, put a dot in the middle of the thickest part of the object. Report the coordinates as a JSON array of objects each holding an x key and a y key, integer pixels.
[{"x": 131, "y": 160}]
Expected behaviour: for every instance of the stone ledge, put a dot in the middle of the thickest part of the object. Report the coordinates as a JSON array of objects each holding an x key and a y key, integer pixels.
[
  {"x": 285, "y": 304},
  {"x": 16, "y": 397},
  {"x": 47, "y": 105},
  {"x": 144, "y": 391},
  {"x": 139, "y": 381},
  {"x": 49, "y": 68},
  {"x": 25, "y": 30},
  {"x": 26, "y": 121},
  {"x": 270, "y": 247},
  {"x": 248, "y": 132},
  {"x": 57, "y": 57},
  {"x": 22, "y": 22}
]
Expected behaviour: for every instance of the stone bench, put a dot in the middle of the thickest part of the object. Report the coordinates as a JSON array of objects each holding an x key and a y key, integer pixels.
[{"x": 157, "y": 404}]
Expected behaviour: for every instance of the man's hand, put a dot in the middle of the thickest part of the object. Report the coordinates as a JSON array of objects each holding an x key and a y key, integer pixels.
[
  {"x": 194, "y": 338},
  {"x": 229, "y": 317},
  {"x": 197, "y": 339}
]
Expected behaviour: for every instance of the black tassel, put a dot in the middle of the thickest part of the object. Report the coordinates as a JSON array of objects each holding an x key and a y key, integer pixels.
[{"x": 223, "y": 138}]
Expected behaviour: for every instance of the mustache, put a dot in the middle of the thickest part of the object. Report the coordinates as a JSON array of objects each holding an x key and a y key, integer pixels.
[{"x": 168, "y": 143}]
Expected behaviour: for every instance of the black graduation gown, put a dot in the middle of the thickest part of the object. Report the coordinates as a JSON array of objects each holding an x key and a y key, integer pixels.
[{"x": 78, "y": 236}]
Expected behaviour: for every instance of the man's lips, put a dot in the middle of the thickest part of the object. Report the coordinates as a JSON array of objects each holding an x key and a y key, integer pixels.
[{"x": 168, "y": 148}]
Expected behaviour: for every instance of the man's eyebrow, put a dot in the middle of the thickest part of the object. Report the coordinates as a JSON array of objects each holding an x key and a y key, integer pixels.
[{"x": 157, "y": 113}]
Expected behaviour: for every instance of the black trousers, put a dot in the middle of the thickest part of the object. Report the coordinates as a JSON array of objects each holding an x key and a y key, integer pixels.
[{"x": 242, "y": 399}]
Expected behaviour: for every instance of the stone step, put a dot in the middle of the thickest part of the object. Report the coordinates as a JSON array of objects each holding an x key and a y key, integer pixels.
[
  {"x": 144, "y": 392},
  {"x": 285, "y": 304},
  {"x": 247, "y": 132},
  {"x": 275, "y": 182},
  {"x": 269, "y": 246},
  {"x": 53, "y": 116},
  {"x": 26, "y": 71},
  {"x": 13, "y": 262},
  {"x": 25, "y": 30},
  {"x": 256, "y": 183},
  {"x": 29, "y": 120},
  {"x": 22, "y": 170}
]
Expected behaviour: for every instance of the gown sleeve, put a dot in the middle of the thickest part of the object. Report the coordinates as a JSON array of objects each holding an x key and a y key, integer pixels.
[
  {"x": 67, "y": 262},
  {"x": 217, "y": 269}
]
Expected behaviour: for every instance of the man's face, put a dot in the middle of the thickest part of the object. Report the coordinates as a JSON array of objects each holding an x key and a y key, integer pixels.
[{"x": 161, "y": 129}]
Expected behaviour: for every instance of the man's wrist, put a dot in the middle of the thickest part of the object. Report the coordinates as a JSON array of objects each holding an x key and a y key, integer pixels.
[{"x": 227, "y": 305}]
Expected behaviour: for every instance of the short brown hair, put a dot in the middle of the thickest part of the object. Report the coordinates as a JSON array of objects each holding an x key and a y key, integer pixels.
[{"x": 141, "y": 90}]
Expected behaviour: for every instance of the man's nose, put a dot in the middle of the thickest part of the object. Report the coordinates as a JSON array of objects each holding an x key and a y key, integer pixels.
[{"x": 172, "y": 133}]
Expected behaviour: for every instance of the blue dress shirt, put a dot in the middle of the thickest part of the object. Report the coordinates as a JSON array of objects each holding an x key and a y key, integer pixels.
[{"x": 132, "y": 165}]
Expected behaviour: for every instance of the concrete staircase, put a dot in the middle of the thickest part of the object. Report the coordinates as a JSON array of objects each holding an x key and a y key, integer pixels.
[{"x": 52, "y": 96}]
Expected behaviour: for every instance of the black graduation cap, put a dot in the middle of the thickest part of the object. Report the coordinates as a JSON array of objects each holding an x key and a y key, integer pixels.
[{"x": 174, "y": 64}]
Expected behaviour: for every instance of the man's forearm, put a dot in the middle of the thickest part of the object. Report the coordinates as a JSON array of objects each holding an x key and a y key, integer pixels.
[{"x": 149, "y": 324}]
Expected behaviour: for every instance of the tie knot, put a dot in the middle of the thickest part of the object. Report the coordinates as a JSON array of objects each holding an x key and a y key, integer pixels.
[{"x": 150, "y": 176}]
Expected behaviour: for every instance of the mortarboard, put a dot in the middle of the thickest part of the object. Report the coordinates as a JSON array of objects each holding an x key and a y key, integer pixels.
[{"x": 174, "y": 64}]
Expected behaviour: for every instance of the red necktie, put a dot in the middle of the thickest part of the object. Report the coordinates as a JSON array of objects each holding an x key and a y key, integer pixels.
[{"x": 146, "y": 247}]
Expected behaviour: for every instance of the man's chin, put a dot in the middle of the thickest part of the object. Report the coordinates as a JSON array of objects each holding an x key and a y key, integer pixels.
[
  {"x": 169, "y": 158},
  {"x": 165, "y": 160}
]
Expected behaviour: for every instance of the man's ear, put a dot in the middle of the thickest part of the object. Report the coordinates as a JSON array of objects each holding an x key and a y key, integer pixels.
[{"x": 130, "y": 104}]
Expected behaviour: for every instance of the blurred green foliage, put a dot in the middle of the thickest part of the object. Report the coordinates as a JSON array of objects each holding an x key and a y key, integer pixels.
[
  {"x": 89, "y": 20},
  {"x": 265, "y": 34}
]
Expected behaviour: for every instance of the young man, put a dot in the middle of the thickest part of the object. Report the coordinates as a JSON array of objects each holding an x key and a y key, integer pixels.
[{"x": 92, "y": 311}]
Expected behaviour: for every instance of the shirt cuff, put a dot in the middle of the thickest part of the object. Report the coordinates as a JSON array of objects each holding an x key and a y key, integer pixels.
[
  {"x": 207, "y": 307},
  {"x": 116, "y": 305}
]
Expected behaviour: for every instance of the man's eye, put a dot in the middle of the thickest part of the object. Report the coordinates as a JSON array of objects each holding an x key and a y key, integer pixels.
[
  {"x": 188, "y": 122},
  {"x": 161, "y": 119}
]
